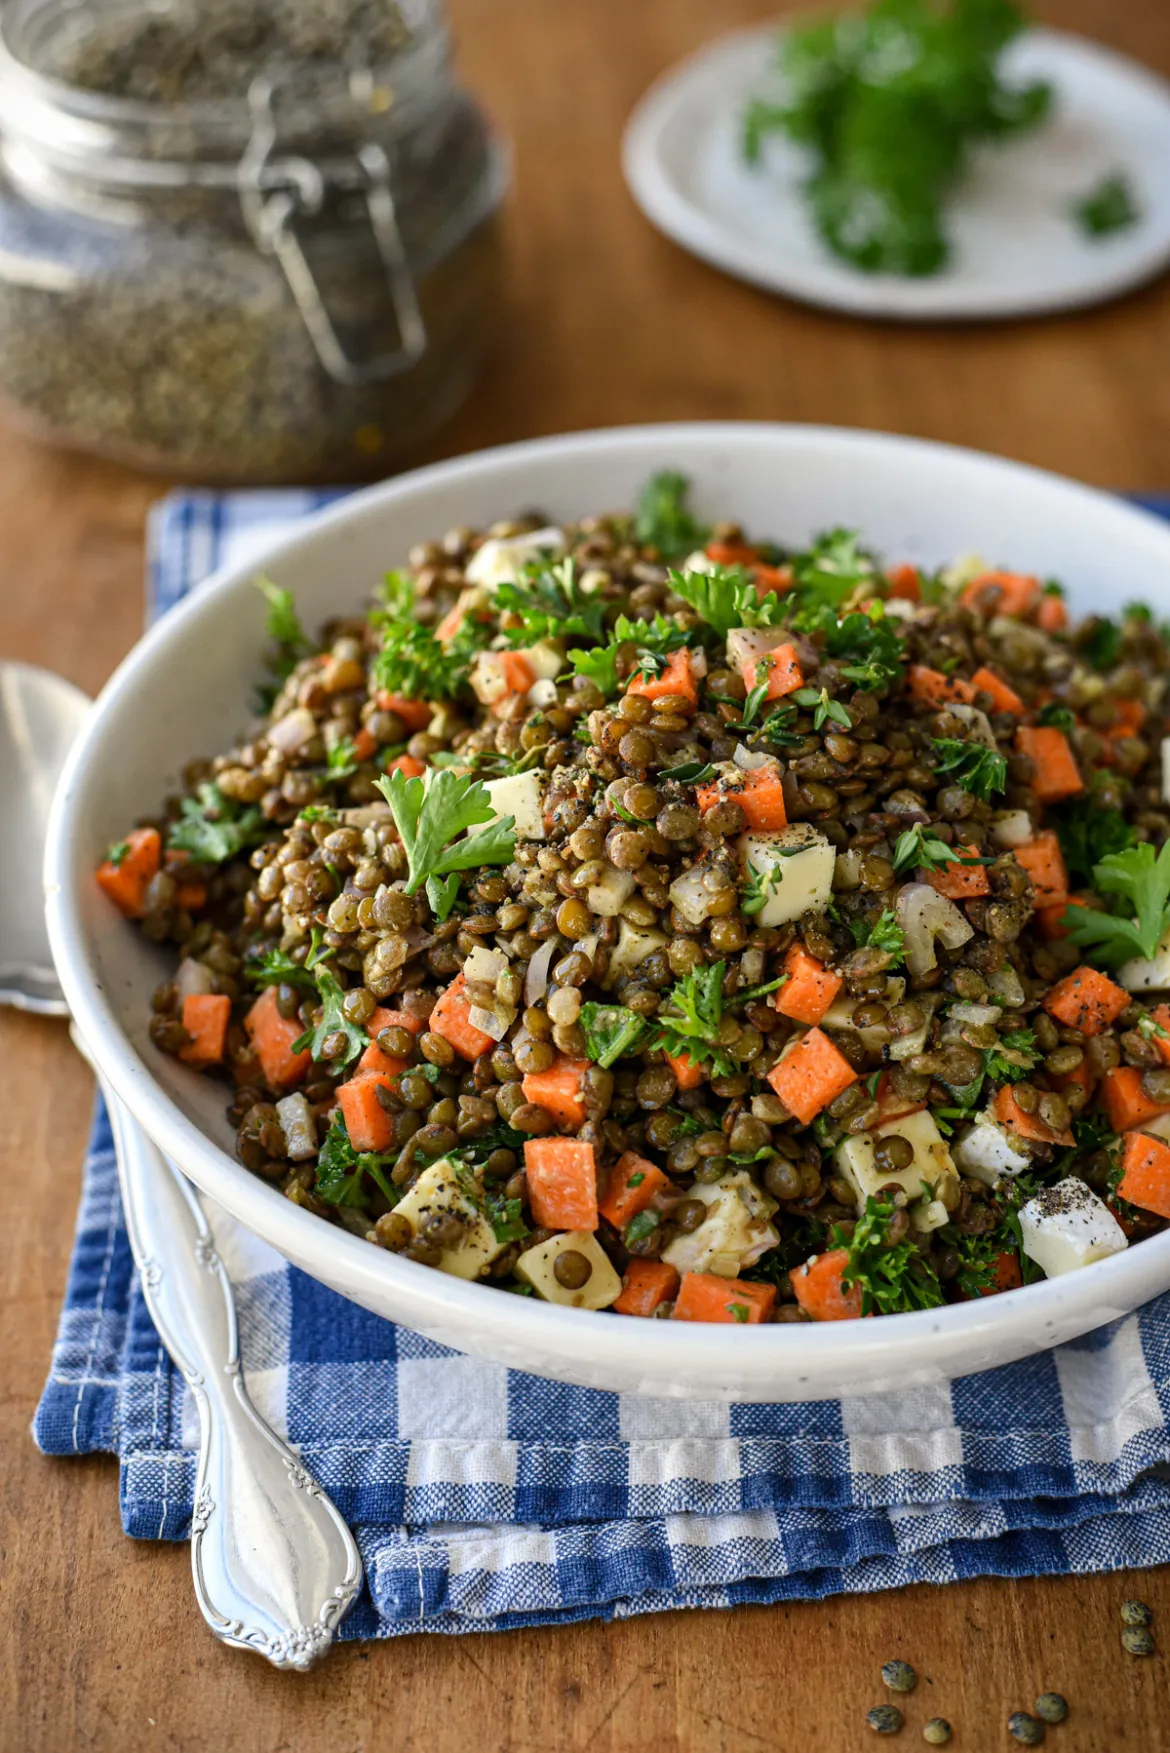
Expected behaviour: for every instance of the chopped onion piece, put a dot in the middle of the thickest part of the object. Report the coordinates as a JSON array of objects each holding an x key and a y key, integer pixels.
[
  {"x": 751, "y": 761},
  {"x": 292, "y": 732},
  {"x": 536, "y": 979},
  {"x": 977, "y": 723},
  {"x": 192, "y": 980},
  {"x": 924, "y": 914},
  {"x": 691, "y": 896},
  {"x": 1005, "y": 984},
  {"x": 494, "y": 1022},
  {"x": 1012, "y": 828},
  {"x": 485, "y": 965},
  {"x": 609, "y": 894},
  {"x": 299, "y": 1127}
]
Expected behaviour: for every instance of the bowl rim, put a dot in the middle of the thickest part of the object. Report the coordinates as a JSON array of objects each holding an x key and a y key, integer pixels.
[{"x": 668, "y": 1349}]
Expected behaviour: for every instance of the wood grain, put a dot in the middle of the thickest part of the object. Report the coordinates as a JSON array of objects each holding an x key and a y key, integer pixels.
[{"x": 608, "y": 323}]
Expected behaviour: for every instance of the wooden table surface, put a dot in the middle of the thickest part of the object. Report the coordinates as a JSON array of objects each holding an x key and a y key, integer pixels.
[{"x": 102, "y": 1644}]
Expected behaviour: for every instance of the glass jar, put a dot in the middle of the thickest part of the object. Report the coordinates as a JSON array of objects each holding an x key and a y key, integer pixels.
[{"x": 242, "y": 242}]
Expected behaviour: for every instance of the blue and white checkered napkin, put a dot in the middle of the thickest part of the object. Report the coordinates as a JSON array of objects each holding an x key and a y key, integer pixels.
[{"x": 486, "y": 1499}]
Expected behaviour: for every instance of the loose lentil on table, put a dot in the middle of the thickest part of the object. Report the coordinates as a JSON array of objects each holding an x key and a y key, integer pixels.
[{"x": 716, "y": 1023}]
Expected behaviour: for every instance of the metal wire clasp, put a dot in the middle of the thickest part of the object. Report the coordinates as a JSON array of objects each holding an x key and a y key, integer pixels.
[{"x": 274, "y": 192}]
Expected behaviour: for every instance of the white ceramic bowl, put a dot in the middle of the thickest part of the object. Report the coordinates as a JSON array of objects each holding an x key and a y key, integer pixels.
[{"x": 183, "y": 690}]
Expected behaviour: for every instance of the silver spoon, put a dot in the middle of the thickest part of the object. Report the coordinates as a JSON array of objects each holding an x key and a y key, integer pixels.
[{"x": 275, "y": 1566}]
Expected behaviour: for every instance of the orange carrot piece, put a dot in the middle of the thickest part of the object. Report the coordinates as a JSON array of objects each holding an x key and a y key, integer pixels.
[
  {"x": 1044, "y": 863},
  {"x": 809, "y": 989},
  {"x": 931, "y": 688},
  {"x": 960, "y": 882},
  {"x": 127, "y": 880},
  {"x": 646, "y": 1284},
  {"x": 191, "y": 895},
  {"x": 407, "y": 766},
  {"x": 369, "y": 1126},
  {"x": 205, "y": 1018},
  {"x": 365, "y": 744},
  {"x": 415, "y": 714},
  {"x": 1086, "y": 1000},
  {"x": 373, "y": 1059},
  {"x": 677, "y": 678},
  {"x": 1131, "y": 716},
  {"x": 758, "y": 792},
  {"x": 451, "y": 1018},
  {"x": 558, "y": 1091},
  {"x": 731, "y": 553},
  {"x": 781, "y": 668},
  {"x": 905, "y": 583},
  {"x": 1052, "y": 615},
  {"x": 1125, "y": 1102},
  {"x": 772, "y": 580},
  {"x": 1001, "y": 593},
  {"x": 562, "y": 1183},
  {"x": 894, "y": 1107},
  {"x": 272, "y": 1037},
  {"x": 1005, "y": 699},
  {"x": 818, "y": 1289},
  {"x": 1057, "y": 773},
  {"x": 1145, "y": 1179},
  {"x": 394, "y": 1019},
  {"x": 633, "y": 1182},
  {"x": 1007, "y": 1276},
  {"x": 688, "y": 1075},
  {"x": 812, "y": 1075},
  {"x": 1161, "y": 1015},
  {"x": 452, "y": 621},
  {"x": 1009, "y": 1113},
  {"x": 704, "y": 1296},
  {"x": 1080, "y": 1077}
]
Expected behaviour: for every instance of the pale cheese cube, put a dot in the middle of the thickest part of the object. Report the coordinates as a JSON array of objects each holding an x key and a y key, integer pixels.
[
  {"x": 634, "y": 944},
  {"x": 502, "y": 559},
  {"x": 990, "y": 1152},
  {"x": 733, "y": 1235},
  {"x": 609, "y": 894},
  {"x": 798, "y": 863},
  {"x": 1140, "y": 975},
  {"x": 930, "y": 1216},
  {"x": 520, "y": 795},
  {"x": 931, "y": 1167},
  {"x": 536, "y": 1267},
  {"x": 438, "y": 1191},
  {"x": 1067, "y": 1226}
]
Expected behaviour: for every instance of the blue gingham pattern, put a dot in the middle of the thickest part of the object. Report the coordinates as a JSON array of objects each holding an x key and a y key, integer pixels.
[{"x": 485, "y": 1499}]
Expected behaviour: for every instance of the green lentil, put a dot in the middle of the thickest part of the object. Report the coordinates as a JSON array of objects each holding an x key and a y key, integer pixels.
[
  {"x": 899, "y": 1676},
  {"x": 937, "y": 1732},
  {"x": 1138, "y": 1640},
  {"x": 1025, "y": 1728},
  {"x": 1051, "y": 1707},
  {"x": 884, "y": 1719}
]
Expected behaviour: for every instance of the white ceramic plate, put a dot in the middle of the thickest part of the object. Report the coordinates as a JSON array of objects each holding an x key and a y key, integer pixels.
[
  {"x": 1016, "y": 250},
  {"x": 184, "y": 688}
]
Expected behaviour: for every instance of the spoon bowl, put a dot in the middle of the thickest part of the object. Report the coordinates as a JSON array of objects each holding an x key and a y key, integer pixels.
[{"x": 40, "y": 715}]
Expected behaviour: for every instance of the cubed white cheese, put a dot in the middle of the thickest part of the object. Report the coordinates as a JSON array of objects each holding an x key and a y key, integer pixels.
[
  {"x": 733, "y": 1235},
  {"x": 520, "y": 795},
  {"x": 634, "y": 944},
  {"x": 438, "y": 1192},
  {"x": 840, "y": 1016},
  {"x": 1067, "y": 1226},
  {"x": 1139, "y": 975},
  {"x": 502, "y": 559},
  {"x": 906, "y": 1046},
  {"x": 546, "y": 659},
  {"x": 931, "y": 1166},
  {"x": 536, "y": 1267},
  {"x": 1012, "y": 828},
  {"x": 930, "y": 1216},
  {"x": 299, "y": 1127},
  {"x": 989, "y": 1152},
  {"x": 609, "y": 894},
  {"x": 797, "y": 863},
  {"x": 978, "y": 724}
]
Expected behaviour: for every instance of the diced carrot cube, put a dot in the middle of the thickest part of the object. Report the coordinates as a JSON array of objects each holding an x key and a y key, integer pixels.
[
  {"x": 645, "y": 1285},
  {"x": 1080, "y": 1077},
  {"x": 758, "y": 791},
  {"x": 1051, "y": 919},
  {"x": 365, "y": 744},
  {"x": 1052, "y": 615},
  {"x": 368, "y": 1123},
  {"x": 1009, "y": 1113},
  {"x": 272, "y": 1037},
  {"x": 772, "y": 580},
  {"x": 1131, "y": 716},
  {"x": 960, "y": 882},
  {"x": 1145, "y": 1180},
  {"x": 373, "y": 1059},
  {"x": 905, "y": 583},
  {"x": 633, "y": 1183},
  {"x": 1161, "y": 1015},
  {"x": 384, "y": 1018},
  {"x": 732, "y": 553},
  {"x": 704, "y": 1296},
  {"x": 415, "y": 714},
  {"x": 190, "y": 895},
  {"x": 1044, "y": 863},
  {"x": 451, "y": 1018},
  {"x": 1057, "y": 774},
  {"x": 1086, "y": 1000},
  {"x": 1125, "y": 1102},
  {"x": 558, "y": 1091},
  {"x": 407, "y": 766},
  {"x": 205, "y": 1018},
  {"x": 562, "y": 1183},
  {"x": 688, "y": 1075},
  {"x": 1005, "y": 699},
  {"x": 894, "y": 1107},
  {"x": 1001, "y": 593},
  {"x": 810, "y": 1076},
  {"x": 678, "y": 678},
  {"x": 809, "y": 989},
  {"x": 931, "y": 688},
  {"x": 1007, "y": 1276},
  {"x": 781, "y": 668},
  {"x": 818, "y": 1289},
  {"x": 126, "y": 879}
]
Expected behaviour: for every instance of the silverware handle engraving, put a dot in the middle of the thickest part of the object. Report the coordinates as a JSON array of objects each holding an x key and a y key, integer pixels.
[{"x": 275, "y": 1565}]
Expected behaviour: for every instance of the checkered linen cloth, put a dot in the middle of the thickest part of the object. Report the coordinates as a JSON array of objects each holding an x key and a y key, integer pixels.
[{"x": 485, "y": 1499}]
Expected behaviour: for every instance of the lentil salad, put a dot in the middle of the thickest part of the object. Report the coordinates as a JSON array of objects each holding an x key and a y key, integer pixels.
[{"x": 642, "y": 916}]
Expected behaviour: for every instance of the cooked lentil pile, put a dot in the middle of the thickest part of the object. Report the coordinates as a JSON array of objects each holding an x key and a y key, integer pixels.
[{"x": 642, "y": 916}]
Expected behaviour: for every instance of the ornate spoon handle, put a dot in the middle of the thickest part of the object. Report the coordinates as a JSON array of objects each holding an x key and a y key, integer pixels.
[{"x": 275, "y": 1565}]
